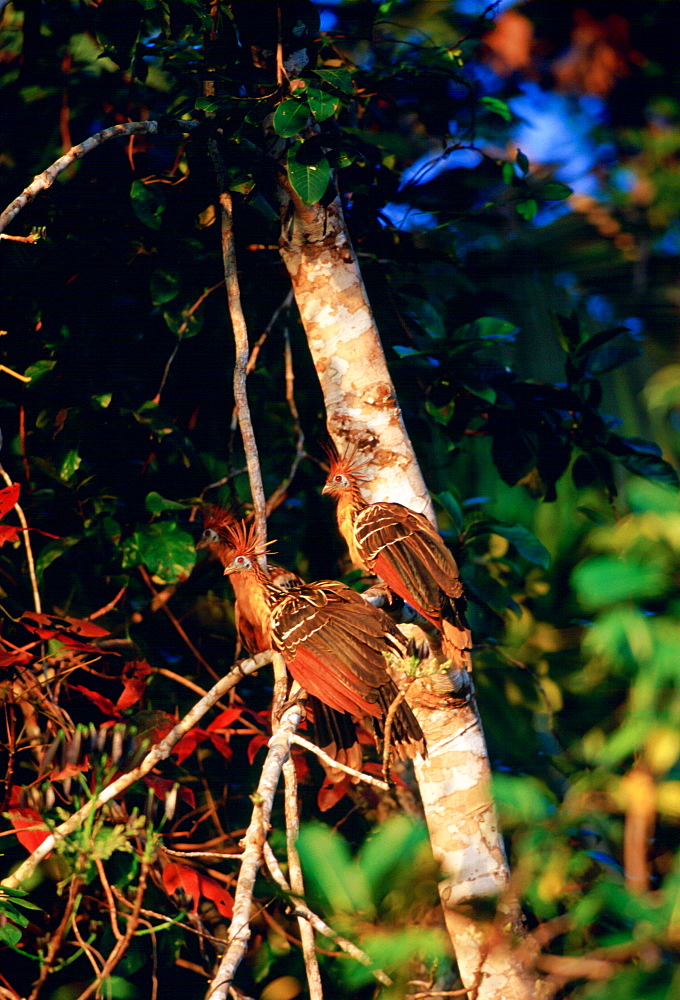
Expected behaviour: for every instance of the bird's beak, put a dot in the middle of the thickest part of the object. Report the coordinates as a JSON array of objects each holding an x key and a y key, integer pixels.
[
  {"x": 327, "y": 488},
  {"x": 228, "y": 570}
]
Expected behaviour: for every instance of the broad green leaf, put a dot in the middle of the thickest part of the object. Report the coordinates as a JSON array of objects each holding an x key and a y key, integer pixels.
[
  {"x": 322, "y": 104},
  {"x": 151, "y": 413},
  {"x": 164, "y": 286},
  {"x": 329, "y": 868},
  {"x": 604, "y": 580},
  {"x": 521, "y": 800},
  {"x": 427, "y": 316},
  {"x": 70, "y": 464},
  {"x": 51, "y": 551},
  {"x": 396, "y": 842},
  {"x": 308, "y": 175},
  {"x": 38, "y": 369},
  {"x": 103, "y": 401},
  {"x": 488, "y": 328},
  {"x": 157, "y": 504},
  {"x": 497, "y": 107},
  {"x": 526, "y": 543},
  {"x": 338, "y": 77},
  {"x": 527, "y": 208},
  {"x": 10, "y": 934},
  {"x": 396, "y": 949},
  {"x": 643, "y": 495},
  {"x": 452, "y": 508},
  {"x": 290, "y": 117},
  {"x": 148, "y": 202},
  {"x": 554, "y": 191},
  {"x": 167, "y": 552}
]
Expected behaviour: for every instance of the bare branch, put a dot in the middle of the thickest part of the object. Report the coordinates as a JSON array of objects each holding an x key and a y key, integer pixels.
[
  {"x": 322, "y": 755},
  {"x": 45, "y": 180},
  {"x": 253, "y": 842}
]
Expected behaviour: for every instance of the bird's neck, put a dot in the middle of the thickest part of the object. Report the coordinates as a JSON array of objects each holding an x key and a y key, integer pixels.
[{"x": 349, "y": 505}]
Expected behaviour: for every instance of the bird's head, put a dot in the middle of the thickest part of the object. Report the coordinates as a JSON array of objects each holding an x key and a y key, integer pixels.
[
  {"x": 216, "y": 523},
  {"x": 245, "y": 548},
  {"x": 343, "y": 471}
]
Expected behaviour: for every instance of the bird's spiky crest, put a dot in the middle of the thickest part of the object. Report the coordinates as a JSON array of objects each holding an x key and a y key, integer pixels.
[
  {"x": 218, "y": 517},
  {"x": 243, "y": 538},
  {"x": 349, "y": 463}
]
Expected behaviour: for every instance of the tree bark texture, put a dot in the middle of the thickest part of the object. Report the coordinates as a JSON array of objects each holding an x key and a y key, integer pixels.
[{"x": 362, "y": 411}]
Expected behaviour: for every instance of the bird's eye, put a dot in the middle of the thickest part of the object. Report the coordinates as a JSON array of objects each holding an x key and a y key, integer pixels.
[{"x": 338, "y": 479}]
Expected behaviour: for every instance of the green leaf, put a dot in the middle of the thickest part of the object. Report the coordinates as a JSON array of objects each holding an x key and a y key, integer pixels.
[
  {"x": 167, "y": 552},
  {"x": 52, "y": 551},
  {"x": 527, "y": 208},
  {"x": 38, "y": 369},
  {"x": 554, "y": 191},
  {"x": 521, "y": 800},
  {"x": 103, "y": 401},
  {"x": 427, "y": 316},
  {"x": 329, "y": 869},
  {"x": 148, "y": 203},
  {"x": 440, "y": 414},
  {"x": 156, "y": 504},
  {"x": 488, "y": 328},
  {"x": 339, "y": 78},
  {"x": 308, "y": 174},
  {"x": 497, "y": 107},
  {"x": 207, "y": 104},
  {"x": 150, "y": 413},
  {"x": 397, "y": 841},
  {"x": 452, "y": 508},
  {"x": 10, "y": 934},
  {"x": 290, "y": 117},
  {"x": 603, "y": 580},
  {"x": 322, "y": 104},
  {"x": 522, "y": 161},
  {"x": 164, "y": 286},
  {"x": 70, "y": 464},
  {"x": 526, "y": 543}
]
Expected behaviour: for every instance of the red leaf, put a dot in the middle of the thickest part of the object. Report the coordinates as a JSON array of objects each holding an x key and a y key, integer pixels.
[
  {"x": 8, "y": 533},
  {"x": 105, "y": 705},
  {"x": 222, "y": 899},
  {"x": 220, "y": 745},
  {"x": 225, "y": 719},
  {"x": 182, "y": 877},
  {"x": 256, "y": 744},
  {"x": 188, "y": 743},
  {"x": 28, "y": 824},
  {"x": 133, "y": 689},
  {"x": 8, "y": 498},
  {"x": 161, "y": 787},
  {"x": 20, "y": 656},
  {"x": 331, "y": 792},
  {"x": 79, "y": 626}
]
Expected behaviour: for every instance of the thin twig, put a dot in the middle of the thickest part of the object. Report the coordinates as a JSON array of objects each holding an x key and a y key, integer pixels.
[
  {"x": 160, "y": 751},
  {"x": 56, "y": 939},
  {"x": 301, "y": 909},
  {"x": 279, "y": 493},
  {"x": 30, "y": 562},
  {"x": 240, "y": 330},
  {"x": 322, "y": 755},
  {"x": 122, "y": 944},
  {"x": 180, "y": 334},
  {"x": 296, "y": 880},
  {"x": 253, "y": 842},
  {"x": 257, "y": 347},
  {"x": 113, "y": 919},
  {"x": 175, "y": 621}
]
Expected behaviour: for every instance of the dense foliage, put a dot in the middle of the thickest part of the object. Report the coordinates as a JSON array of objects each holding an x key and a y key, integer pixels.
[{"x": 512, "y": 284}]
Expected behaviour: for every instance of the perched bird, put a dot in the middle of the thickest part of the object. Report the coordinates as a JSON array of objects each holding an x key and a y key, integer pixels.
[
  {"x": 403, "y": 548},
  {"x": 333, "y": 643},
  {"x": 335, "y": 730}
]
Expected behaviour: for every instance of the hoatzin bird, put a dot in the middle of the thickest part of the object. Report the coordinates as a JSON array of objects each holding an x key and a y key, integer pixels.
[
  {"x": 333, "y": 643},
  {"x": 335, "y": 730},
  {"x": 403, "y": 548}
]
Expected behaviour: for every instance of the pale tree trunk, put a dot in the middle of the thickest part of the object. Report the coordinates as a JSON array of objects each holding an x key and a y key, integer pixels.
[{"x": 454, "y": 780}]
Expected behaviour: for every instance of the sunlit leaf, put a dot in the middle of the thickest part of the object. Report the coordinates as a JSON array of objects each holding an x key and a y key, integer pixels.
[
  {"x": 308, "y": 171},
  {"x": 290, "y": 117},
  {"x": 167, "y": 552},
  {"x": 148, "y": 202}
]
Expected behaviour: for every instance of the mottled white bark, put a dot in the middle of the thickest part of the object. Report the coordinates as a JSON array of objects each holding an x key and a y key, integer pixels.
[
  {"x": 361, "y": 404},
  {"x": 362, "y": 410}
]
